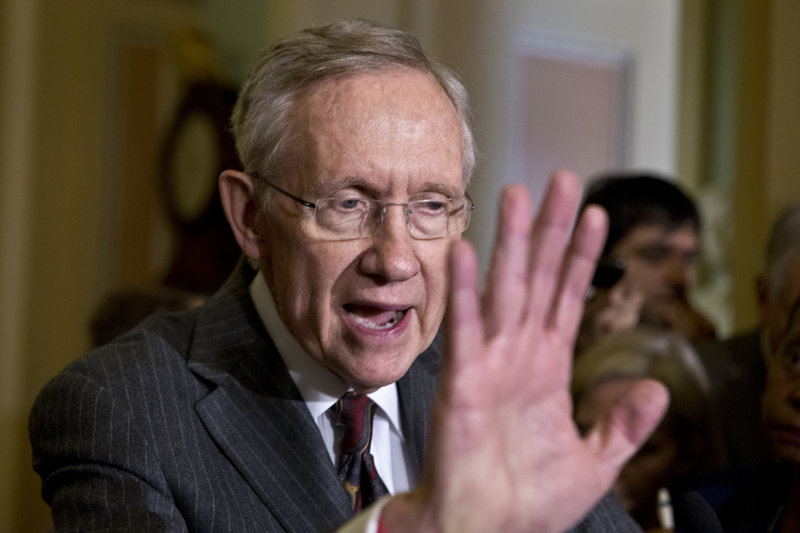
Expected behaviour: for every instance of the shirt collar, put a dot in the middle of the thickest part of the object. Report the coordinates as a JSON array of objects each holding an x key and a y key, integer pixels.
[{"x": 319, "y": 387}]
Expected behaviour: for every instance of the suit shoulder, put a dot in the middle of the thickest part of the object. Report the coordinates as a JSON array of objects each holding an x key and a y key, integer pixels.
[{"x": 158, "y": 346}]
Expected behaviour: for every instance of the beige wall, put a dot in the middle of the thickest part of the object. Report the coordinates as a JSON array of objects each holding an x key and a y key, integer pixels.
[
  {"x": 18, "y": 49},
  {"x": 751, "y": 159},
  {"x": 59, "y": 143},
  {"x": 480, "y": 40},
  {"x": 783, "y": 136}
]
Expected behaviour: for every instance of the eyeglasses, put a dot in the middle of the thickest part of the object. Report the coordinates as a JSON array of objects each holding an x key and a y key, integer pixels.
[{"x": 349, "y": 215}]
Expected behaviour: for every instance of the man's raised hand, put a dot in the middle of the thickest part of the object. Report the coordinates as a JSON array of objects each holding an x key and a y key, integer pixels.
[{"x": 505, "y": 454}]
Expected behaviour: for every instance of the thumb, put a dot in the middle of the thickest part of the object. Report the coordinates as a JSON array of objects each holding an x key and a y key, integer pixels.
[{"x": 620, "y": 433}]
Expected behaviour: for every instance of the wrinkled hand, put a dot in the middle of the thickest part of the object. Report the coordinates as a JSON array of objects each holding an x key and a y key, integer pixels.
[{"x": 505, "y": 454}]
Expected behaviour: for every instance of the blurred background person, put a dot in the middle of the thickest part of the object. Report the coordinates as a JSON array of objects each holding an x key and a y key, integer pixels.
[
  {"x": 767, "y": 499},
  {"x": 737, "y": 365},
  {"x": 122, "y": 309},
  {"x": 653, "y": 246},
  {"x": 683, "y": 444},
  {"x": 781, "y": 413}
]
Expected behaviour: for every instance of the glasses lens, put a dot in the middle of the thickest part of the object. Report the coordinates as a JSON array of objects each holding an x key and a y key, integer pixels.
[
  {"x": 352, "y": 216},
  {"x": 433, "y": 219},
  {"x": 347, "y": 217},
  {"x": 428, "y": 218}
]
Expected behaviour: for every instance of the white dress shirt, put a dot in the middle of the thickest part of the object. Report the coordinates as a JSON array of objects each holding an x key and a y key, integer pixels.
[{"x": 321, "y": 388}]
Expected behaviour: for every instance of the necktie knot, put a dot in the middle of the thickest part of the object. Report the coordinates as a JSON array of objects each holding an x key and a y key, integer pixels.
[{"x": 356, "y": 468}]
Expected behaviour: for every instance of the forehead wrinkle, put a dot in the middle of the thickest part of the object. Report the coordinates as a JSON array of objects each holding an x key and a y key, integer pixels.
[
  {"x": 340, "y": 136},
  {"x": 374, "y": 89}
]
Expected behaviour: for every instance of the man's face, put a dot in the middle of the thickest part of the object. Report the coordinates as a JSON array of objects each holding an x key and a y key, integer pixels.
[
  {"x": 660, "y": 263},
  {"x": 367, "y": 307},
  {"x": 776, "y": 307},
  {"x": 781, "y": 401}
]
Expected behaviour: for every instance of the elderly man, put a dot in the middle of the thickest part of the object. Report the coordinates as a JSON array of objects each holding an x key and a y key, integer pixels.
[
  {"x": 738, "y": 365},
  {"x": 767, "y": 498},
  {"x": 307, "y": 387}
]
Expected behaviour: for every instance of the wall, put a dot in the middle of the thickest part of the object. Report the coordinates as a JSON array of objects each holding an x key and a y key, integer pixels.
[
  {"x": 768, "y": 164},
  {"x": 480, "y": 42},
  {"x": 60, "y": 83}
]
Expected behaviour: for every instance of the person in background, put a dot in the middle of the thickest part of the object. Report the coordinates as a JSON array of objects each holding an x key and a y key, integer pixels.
[
  {"x": 737, "y": 366},
  {"x": 122, "y": 309},
  {"x": 781, "y": 412},
  {"x": 323, "y": 386},
  {"x": 653, "y": 246},
  {"x": 682, "y": 445},
  {"x": 767, "y": 499}
]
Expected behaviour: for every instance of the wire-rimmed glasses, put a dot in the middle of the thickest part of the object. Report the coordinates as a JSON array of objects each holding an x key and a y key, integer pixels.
[{"x": 351, "y": 215}]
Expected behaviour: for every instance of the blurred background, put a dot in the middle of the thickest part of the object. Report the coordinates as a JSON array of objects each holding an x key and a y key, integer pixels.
[{"x": 112, "y": 134}]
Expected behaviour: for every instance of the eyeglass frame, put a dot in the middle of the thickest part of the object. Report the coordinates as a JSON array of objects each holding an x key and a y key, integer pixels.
[{"x": 469, "y": 205}]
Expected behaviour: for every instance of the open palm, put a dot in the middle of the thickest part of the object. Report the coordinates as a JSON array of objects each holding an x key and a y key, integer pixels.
[{"x": 505, "y": 454}]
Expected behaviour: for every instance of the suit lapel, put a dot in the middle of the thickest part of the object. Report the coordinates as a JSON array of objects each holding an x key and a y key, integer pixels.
[
  {"x": 257, "y": 417},
  {"x": 277, "y": 448},
  {"x": 416, "y": 391}
]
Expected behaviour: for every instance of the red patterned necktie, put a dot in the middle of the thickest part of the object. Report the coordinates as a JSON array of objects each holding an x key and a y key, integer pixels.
[{"x": 356, "y": 466}]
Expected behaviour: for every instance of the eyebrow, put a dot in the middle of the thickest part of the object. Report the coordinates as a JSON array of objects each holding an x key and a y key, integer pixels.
[
  {"x": 665, "y": 247},
  {"x": 345, "y": 182},
  {"x": 447, "y": 190}
]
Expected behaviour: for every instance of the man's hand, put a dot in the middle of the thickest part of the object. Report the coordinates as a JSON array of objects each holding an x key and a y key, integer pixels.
[{"x": 505, "y": 454}]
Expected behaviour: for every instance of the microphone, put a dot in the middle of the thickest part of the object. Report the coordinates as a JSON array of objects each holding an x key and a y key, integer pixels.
[{"x": 694, "y": 515}]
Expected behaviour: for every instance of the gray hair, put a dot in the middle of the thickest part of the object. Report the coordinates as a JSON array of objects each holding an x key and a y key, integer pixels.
[
  {"x": 261, "y": 118},
  {"x": 782, "y": 247}
]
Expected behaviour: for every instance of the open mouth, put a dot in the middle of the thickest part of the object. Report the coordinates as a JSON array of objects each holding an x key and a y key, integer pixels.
[{"x": 374, "y": 318}]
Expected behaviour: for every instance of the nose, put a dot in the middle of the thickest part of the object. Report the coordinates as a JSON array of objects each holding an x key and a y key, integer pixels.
[
  {"x": 678, "y": 274},
  {"x": 794, "y": 398},
  {"x": 392, "y": 254}
]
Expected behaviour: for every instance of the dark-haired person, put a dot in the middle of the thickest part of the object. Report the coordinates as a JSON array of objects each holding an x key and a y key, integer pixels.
[{"x": 654, "y": 238}]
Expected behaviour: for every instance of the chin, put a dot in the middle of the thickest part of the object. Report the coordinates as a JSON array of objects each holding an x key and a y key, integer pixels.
[{"x": 370, "y": 376}]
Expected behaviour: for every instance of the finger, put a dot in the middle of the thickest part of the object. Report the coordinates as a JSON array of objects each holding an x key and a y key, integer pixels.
[
  {"x": 463, "y": 327},
  {"x": 507, "y": 279},
  {"x": 549, "y": 239},
  {"x": 577, "y": 270},
  {"x": 630, "y": 421}
]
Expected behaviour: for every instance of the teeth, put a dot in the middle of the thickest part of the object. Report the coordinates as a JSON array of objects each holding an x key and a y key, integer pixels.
[{"x": 374, "y": 325}]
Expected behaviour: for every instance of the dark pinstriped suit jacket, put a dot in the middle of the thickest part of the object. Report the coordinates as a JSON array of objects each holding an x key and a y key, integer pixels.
[{"x": 192, "y": 422}]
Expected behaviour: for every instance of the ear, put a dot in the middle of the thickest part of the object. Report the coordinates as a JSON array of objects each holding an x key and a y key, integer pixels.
[{"x": 241, "y": 209}]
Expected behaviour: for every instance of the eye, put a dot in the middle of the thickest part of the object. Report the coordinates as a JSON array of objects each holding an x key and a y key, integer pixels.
[
  {"x": 430, "y": 204},
  {"x": 792, "y": 358},
  {"x": 653, "y": 254},
  {"x": 348, "y": 201},
  {"x": 433, "y": 206},
  {"x": 790, "y": 355}
]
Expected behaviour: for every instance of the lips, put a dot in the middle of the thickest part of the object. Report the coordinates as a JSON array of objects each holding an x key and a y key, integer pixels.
[
  {"x": 786, "y": 435},
  {"x": 374, "y": 317}
]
